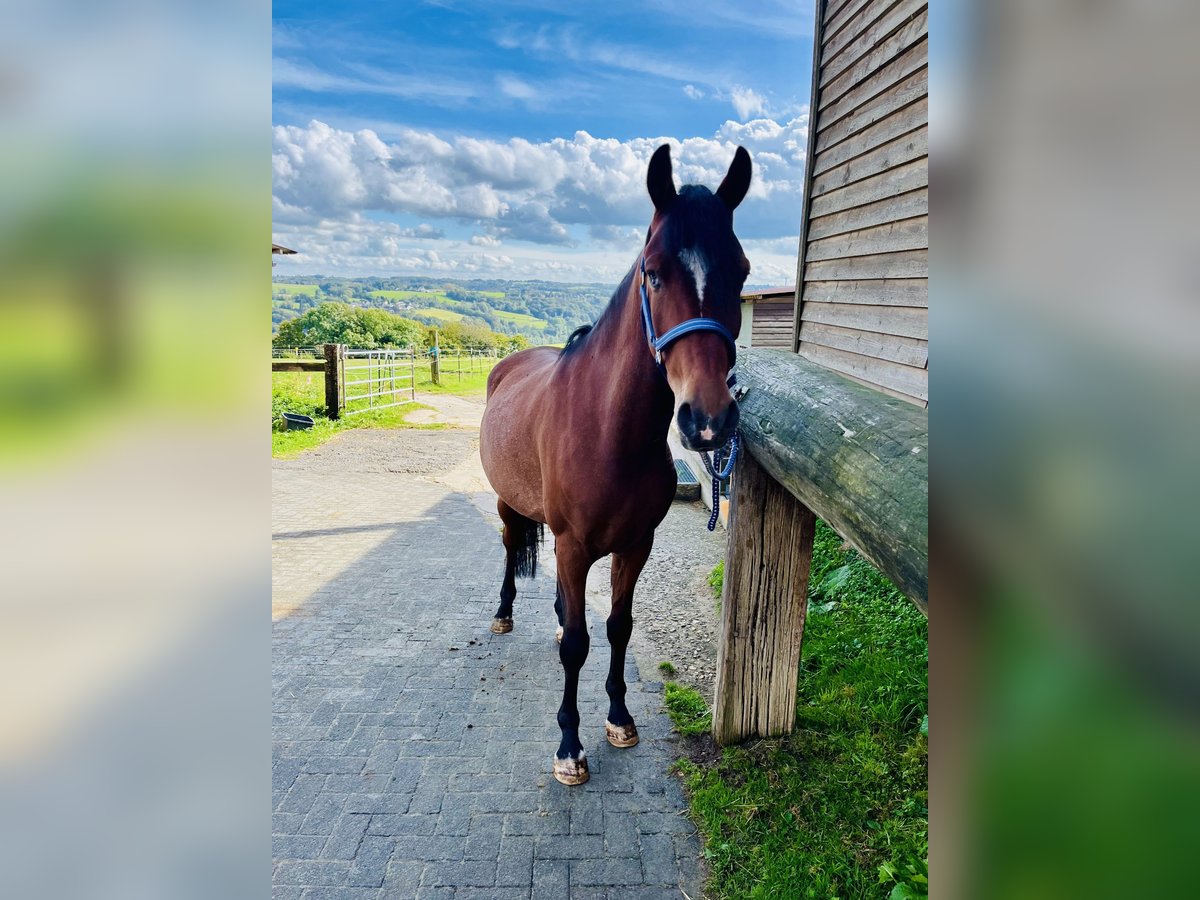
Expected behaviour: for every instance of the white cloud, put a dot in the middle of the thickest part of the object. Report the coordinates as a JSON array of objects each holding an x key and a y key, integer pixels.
[
  {"x": 514, "y": 87},
  {"x": 693, "y": 92},
  {"x": 747, "y": 102},
  {"x": 578, "y": 201}
]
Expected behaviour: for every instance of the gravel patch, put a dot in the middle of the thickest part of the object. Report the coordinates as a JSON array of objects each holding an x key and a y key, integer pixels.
[{"x": 401, "y": 450}]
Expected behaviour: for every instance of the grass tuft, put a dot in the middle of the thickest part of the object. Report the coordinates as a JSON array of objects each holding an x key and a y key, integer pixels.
[
  {"x": 666, "y": 667},
  {"x": 687, "y": 709},
  {"x": 716, "y": 578}
]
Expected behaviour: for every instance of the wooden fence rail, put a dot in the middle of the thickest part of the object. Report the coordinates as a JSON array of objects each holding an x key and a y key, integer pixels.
[{"x": 814, "y": 443}]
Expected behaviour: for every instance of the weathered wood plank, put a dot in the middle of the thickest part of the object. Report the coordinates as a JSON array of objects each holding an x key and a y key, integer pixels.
[
  {"x": 858, "y": 110},
  {"x": 876, "y": 292},
  {"x": 909, "y": 380},
  {"x": 764, "y": 601},
  {"x": 863, "y": 33},
  {"x": 899, "y": 395},
  {"x": 855, "y": 457},
  {"x": 901, "y": 180},
  {"x": 836, "y": 16},
  {"x": 905, "y": 264},
  {"x": 906, "y": 148},
  {"x": 840, "y": 96},
  {"x": 891, "y": 209},
  {"x": 867, "y": 66},
  {"x": 898, "y": 320},
  {"x": 899, "y": 123},
  {"x": 905, "y": 350},
  {"x": 906, "y": 234},
  {"x": 297, "y": 365}
]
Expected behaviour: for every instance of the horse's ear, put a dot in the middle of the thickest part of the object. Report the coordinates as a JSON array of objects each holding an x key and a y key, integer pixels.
[
  {"x": 737, "y": 179},
  {"x": 659, "y": 181}
]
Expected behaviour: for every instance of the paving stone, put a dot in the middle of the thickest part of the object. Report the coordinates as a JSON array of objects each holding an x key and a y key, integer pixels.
[
  {"x": 347, "y": 835},
  {"x": 331, "y": 892},
  {"x": 605, "y": 872},
  {"x": 402, "y": 878},
  {"x": 371, "y": 861},
  {"x": 515, "y": 865},
  {"x": 551, "y": 879},
  {"x": 297, "y": 846}
]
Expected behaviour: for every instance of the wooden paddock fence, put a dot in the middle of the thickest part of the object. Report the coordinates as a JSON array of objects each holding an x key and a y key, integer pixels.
[
  {"x": 359, "y": 380},
  {"x": 814, "y": 444}
]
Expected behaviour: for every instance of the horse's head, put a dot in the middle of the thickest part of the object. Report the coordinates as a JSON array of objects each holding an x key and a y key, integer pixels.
[{"x": 694, "y": 270}]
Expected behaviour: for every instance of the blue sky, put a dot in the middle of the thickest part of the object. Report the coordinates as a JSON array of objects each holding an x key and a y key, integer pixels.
[{"x": 468, "y": 139}]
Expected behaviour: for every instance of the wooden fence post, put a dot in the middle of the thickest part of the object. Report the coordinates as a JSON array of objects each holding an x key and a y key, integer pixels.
[
  {"x": 333, "y": 380},
  {"x": 763, "y": 606}
]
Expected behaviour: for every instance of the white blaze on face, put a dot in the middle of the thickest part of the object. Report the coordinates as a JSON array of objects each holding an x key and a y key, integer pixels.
[{"x": 693, "y": 260}]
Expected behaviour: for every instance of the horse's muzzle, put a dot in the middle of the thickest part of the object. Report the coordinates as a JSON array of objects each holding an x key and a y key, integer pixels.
[{"x": 699, "y": 431}]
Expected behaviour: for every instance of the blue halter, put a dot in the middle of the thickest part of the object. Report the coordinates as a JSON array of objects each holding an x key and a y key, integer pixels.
[{"x": 660, "y": 343}]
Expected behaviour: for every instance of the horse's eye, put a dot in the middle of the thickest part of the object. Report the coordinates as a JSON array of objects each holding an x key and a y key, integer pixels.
[{"x": 653, "y": 276}]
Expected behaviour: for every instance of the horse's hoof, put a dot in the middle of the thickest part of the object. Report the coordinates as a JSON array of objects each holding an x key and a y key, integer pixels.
[
  {"x": 571, "y": 771},
  {"x": 558, "y": 634},
  {"x": 502, "y": 626},
  {"x": 620, "y": 735}
]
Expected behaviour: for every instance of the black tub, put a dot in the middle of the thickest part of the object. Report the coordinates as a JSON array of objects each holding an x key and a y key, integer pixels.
[{"x": 296, "y": 421}]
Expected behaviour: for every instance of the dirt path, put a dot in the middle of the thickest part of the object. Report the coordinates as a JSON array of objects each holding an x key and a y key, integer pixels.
[{"x": 449, "y": 409}]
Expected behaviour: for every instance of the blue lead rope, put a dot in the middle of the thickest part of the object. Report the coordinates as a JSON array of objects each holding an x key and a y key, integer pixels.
[{"x": 718, "y": 475}]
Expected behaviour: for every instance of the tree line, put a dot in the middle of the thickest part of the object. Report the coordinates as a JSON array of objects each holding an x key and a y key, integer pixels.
[{"x": 370, "y": 329}]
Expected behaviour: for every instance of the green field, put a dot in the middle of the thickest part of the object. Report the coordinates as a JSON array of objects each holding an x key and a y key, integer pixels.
[
  {"x": 435, "y": 296},
  {"x": 309, "y": 290},
  {"x": 435, "y": 312},
  {"x": 521, "y": 319}
]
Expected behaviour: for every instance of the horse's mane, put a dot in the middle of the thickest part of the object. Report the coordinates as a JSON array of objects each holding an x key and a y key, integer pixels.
[{"x": 612, "y": 310}]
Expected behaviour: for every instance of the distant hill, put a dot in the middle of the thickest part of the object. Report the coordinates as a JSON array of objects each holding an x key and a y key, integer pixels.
[{"x": 546, "y": 312}]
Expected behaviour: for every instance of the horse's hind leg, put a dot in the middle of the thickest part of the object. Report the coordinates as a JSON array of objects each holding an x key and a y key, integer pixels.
[
  {"x": 626, "y": 567},
  {"x": 521, "y": 536}
]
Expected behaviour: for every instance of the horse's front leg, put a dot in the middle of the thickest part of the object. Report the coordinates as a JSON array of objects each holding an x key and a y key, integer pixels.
[
  {"x": 570, "y": 762},
  {"x": 626, "y": 567}
]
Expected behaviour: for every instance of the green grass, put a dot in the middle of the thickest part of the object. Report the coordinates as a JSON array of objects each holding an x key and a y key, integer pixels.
[
  {"x": 838, "y": 808},
  {"x": 686, "y": 708},
  {"x": 307, "y": 289},
  {"x": 666, "y": 667},
  {"x": 521, "y": 319},
  {"x": 304, "y": 392},
  {"x": 469, "y": 385},
  {"x": 716, "y": 579},
  {"x": 445, "y": 315}
]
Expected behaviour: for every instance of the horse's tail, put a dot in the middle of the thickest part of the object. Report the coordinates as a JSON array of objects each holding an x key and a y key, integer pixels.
[{"x": 526, "y": 536}]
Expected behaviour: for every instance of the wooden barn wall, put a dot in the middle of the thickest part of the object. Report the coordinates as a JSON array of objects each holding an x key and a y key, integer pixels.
[
  {"x": 773, "y": 324},
  {"x": 863, "y": 296}
]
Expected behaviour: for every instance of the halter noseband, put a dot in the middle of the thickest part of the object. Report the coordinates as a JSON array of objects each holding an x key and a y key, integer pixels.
[{"x": 660, "y": 343}]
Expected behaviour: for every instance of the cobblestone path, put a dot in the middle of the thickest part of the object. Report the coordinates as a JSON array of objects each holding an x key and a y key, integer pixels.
[{"x": 412, "y": 746}]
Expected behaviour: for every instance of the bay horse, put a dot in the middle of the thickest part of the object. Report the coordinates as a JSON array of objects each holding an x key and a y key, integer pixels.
[{"x": 577, "y": 439}]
